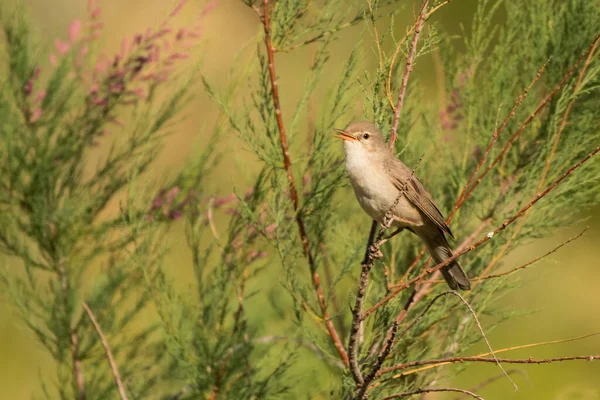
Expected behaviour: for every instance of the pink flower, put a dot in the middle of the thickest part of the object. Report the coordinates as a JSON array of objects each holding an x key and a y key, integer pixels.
[
  {"x": 117, "y": 121},
  {"x": 40, "y": 96},
  {"x": 123, "y": 51},
  {"x": 172, "y": 194},
  {"x": 140, "y": 92},
  {"x": 179, "y": 56},
  {"x": 35, "y": 115},
  {"x": 208, "y": 7},
  {"x": 74, "y": 30},
  {"x": 157, "y": 202},
  {"x": 96, "y": 13},
  {"x": 177, "y": 8},
  {"x": 61, "y": 47},
  {"x": 28, "y": 87},
  {"x": 175, "y": 214}
]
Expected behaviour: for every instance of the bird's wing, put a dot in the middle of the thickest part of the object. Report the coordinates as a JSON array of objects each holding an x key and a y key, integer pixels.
[{"x": 415, "y": 192}]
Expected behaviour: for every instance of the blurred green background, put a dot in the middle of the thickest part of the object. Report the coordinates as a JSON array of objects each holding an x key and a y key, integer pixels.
[{"x": 560, "y": 291}]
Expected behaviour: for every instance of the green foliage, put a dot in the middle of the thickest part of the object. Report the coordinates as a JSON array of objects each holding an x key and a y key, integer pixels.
[{"x": 250, "y": 324}]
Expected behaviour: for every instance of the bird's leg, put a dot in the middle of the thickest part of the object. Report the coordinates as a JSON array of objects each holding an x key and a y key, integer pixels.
[
  {"x": 391, "y": 235},
  {"x": 375, "y": 249}
]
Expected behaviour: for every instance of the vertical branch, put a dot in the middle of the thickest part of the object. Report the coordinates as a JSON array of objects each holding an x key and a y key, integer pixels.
[
  {"x": 78, "y": 380},
  {"x": 409, "y": 64},
  {"x": 292, "y": 185},
  {"x": 357, "y": 312},
  {"x": 77, "y": 370},
  {"x": 109, "y": 355}
]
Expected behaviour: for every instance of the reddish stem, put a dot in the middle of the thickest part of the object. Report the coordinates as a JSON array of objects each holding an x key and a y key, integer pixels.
[{"x": 293, "y": 191}]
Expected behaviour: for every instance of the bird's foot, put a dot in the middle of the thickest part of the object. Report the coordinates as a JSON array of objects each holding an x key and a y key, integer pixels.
[{"x": 375, "y": 252}]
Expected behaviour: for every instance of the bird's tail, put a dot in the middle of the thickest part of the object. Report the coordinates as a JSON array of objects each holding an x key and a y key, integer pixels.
[{"x": 453, "y": 273}]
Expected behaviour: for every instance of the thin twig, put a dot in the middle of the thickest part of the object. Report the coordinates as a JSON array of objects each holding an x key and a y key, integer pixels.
[
  {"x": 424, "y": 312},
  {"x": 495, "y": 378},
  {"x": 408, "y": 69},
  {"x": 550, "y": 157},
  {"x": 462, "y": 197},
  {"x": 489, "y": 346},
  {"x": 454, "y": 360},
  {"x": 388, "y": 87},
  {"x": 563, "y": 122},
  {"x": 432, "y": 390},
  {"x": 391, "y": 338},
  {"x": 109, "y": 355},
  {"x": 293, "y": 191},
  {"x": 538, "y": 258},
  {"x": 376, "y": 33},
  {"x": 443, "y": 363},
  {"x": 486, "y": 238},
  {"x": 460, "y": 247},
  {"x": 539, "y": 108}
]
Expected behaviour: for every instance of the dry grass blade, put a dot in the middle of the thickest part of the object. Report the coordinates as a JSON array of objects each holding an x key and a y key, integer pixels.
[{"x": 111, "y": 360}]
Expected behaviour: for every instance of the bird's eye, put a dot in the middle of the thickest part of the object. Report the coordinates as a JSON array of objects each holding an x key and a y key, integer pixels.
[{"x": 366, "y": 135}]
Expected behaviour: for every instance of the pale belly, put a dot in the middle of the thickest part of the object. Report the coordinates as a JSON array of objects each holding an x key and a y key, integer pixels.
[{"x": 376, "y": 194}]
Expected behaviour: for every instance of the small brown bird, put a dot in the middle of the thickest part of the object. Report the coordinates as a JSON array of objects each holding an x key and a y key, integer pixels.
[{"x": 378, "y": 177}]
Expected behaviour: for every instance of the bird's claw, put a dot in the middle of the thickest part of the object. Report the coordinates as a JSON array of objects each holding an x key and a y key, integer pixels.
[{"x": 375, "y": 252}]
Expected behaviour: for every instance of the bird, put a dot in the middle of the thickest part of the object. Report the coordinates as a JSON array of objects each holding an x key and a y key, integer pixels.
[{"x": 380, "y": 179}]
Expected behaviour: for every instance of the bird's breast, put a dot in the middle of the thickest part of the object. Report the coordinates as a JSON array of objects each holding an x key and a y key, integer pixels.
[{"x": 376, "y": 193}]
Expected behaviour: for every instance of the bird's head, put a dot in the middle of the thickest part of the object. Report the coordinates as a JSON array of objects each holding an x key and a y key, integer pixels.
[{"x": 362, "y": 137}]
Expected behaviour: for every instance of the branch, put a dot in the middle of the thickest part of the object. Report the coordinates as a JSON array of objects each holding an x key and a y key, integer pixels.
[
  {"x": 494, "y": 378},
  {"x": 357, "y": 311},
  {"x": 431, "y": 390},
  {"x": 78, "y": 378},
  {"x": 357, "y": 315},
  {"x": 375, "y": 372},
  {"x": 445, "y": 362},
  {"x": 538, "y": 258},
  {"x": 563, "y": 122},
  {"x": 486, "y": 238},
  {"x": 550, "y": 157},
  {"x": 109, "y": 355},
  {"x": 540, "y": 106},
  {"x": 388, "y": 87},
  {"x": 463, "y": 245},
  {"x": 407, "y": 71},
  {"x": 462, "y": 197},
  {"x": 293, "y": 191},
  {"x": 77, "y": 370},
  {"x": 453, "y": 360}
]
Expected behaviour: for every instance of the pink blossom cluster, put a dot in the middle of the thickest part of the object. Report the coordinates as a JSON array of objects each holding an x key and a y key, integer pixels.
[
  {"x": 34, "y": 102},
  {"x": 143, "y": 62},
  {"x": 452, "y": 114},
  {"x": 171, "y": 204}
]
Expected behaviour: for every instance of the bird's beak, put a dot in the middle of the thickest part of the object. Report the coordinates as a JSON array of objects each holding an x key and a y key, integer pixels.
[{"x": 343, "y": 135}]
